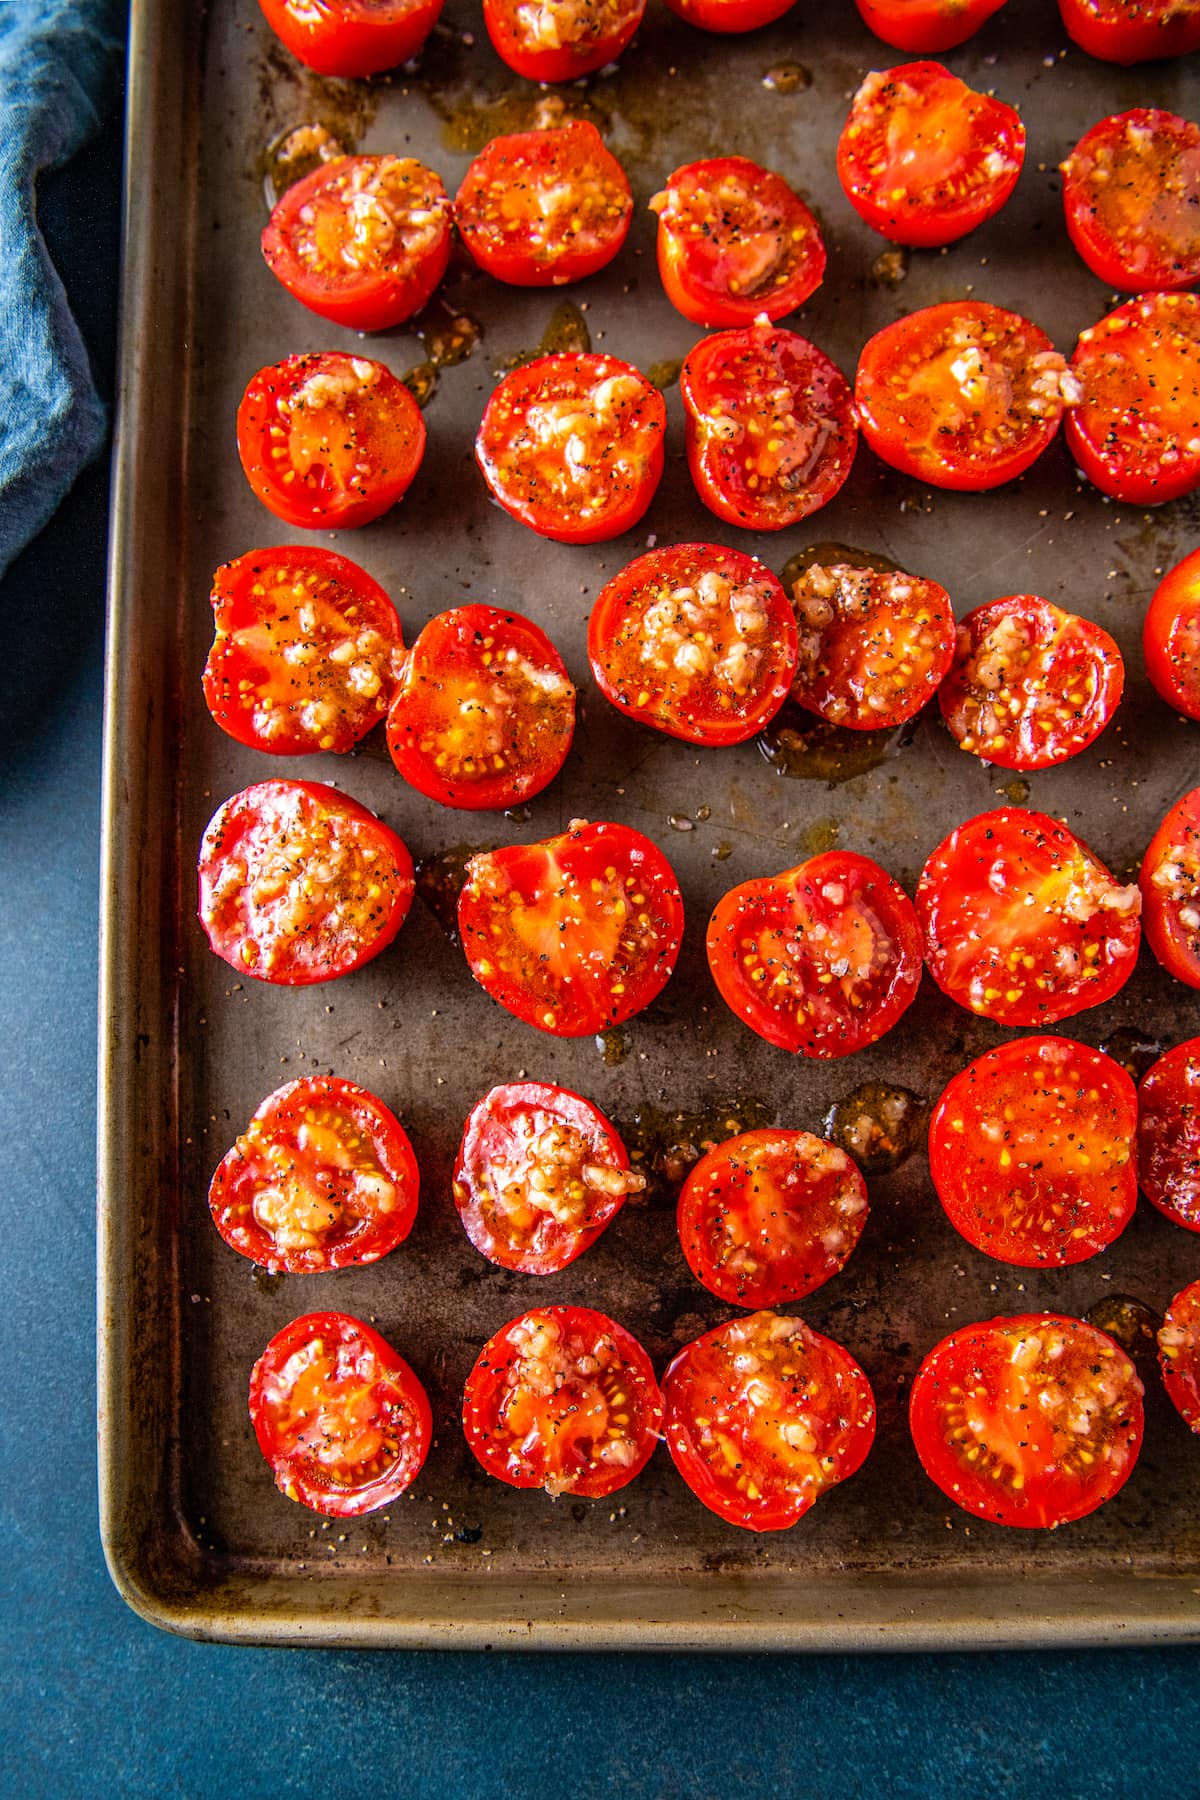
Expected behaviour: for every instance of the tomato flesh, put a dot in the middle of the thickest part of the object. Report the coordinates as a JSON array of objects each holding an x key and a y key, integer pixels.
[
  {"x": 1170, "y": 885},
  {"x": 1179, "y": 1353},
  {"x": 1171, "y": 637},
  {"x": 874, "y": 646},
  {"x": 352, "y": 37},
  {"x": 1129, "y": 193},
  {"x": 540, "y": 208},
  {"x": 1132, "y": 31},
  {"x": 926, "y": 25},
  {"x": 560, "y": 40},
  {"x": 1169, "y": 1134},
  {"x": 1136, "y": 430}
]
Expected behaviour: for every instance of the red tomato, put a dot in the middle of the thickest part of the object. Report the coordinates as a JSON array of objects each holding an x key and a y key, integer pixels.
[
  {"x": 574, "y": 934},
  {"x": 771, "y": 427},
  {"x": 873, "y": 646},
  {"x": 560, "y": 40},
  {"x": 540, "y": 1172},
  {"x": 340, "y": 1417},
  {"x": 484, "y": 712},
  {"x": 1179, "y": 1353},
  {"x": 1031, "y": 1152},
  {"x": 770, "y": 1215},
  {"x": 820, "y": 960},
  {"x": 352, "y": 37},
  {"x": 1169, "y": 1134},
  {"x": 762, "y": 1415},
  {"x": 306, "y": 653},
  {"x": 695, "y": 640},
  {"x": 299, "y": 883},
  {"x": 565, "y": 1399},
  {"x": 730, "y": 15},
  {"x": 1171, "y": 637},
  {"x": 926, "y": 25},
  {"x": 1033, "y": 1421},
  {"x": 963, "y": 395},
  {"x": 324, "y": 1177},
  {"x": 1132, "y": 31},
  {"x": 1136, "y": 430},
  {"x": 924, "y": 158},
  {"x": 1022, "y": 922},
  {"x": 735, "y": 243},
  {"x": 1170, "y": 884},
  {"x": 1031, "y": 685},
  {"x": 329, "y": 439},
  {"x": 1129, "y": 193},
  {"x": 572, "y": 446},
  {"x": 540, "y": 208}
]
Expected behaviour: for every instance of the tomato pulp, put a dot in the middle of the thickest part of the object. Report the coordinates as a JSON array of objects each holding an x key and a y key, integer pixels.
[
  {"x": 1136, "y": 429},
  {"x": 540, "y": 208},
  {"x": 352, "y": 37},
  {"x": 1179, "y": 1353},
  {"x": 560, "y": 40},
  {"x": 1132, "y": 31},
  {"x": 1170, "y": 885},
  {"x": 1171, "y": 637},
  {"x": 1169, "y": 1134},
  {"x": 874, "y": 645},
  {"x": 1129, "y": 194}
]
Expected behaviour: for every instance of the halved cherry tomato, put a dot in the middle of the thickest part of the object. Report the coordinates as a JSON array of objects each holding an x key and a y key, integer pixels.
[
  {"x": 299, "y": 883},
  {"x": 572, "y": 446},
  {"x": 820, "y": 960},
  {"x": 1022, "y": 922},
  {"x": 1170, "y": 884},
  {"x": 1030, "y": 685},
  {"x": 963, "y": 395},
  {"x": 484, "y": 711},
  {"x": 924, "y": 158},
  {"x": 1179, "y": 1353},
  {"x": 352, "y": 37},
  {"x": 730, "y": 15},
  {"x": 926, "y": 25},
  {"x": 329, "y": 439},
  {"x": 323, "y": 1177},
  {"x": 540, "y": 208},
  {"x": 734, "y": 243},
  {"x": 1171, "y": 637},
  {"x": 1031, "y": 1152},
  {"x": 574, "y": 934},
  {"x": 339, "y": 1415},
  {"x": 1169, "y": 1134},
  {"x": 763, "y": 1415},
  {"x": 1129, "y": 193},
  {"x": 565, "y": 1399},
  {"x": 1132, "y": 31},
  {"x": 770, "y": 1215},
  {"x": 873, "y": 645},
  {"x": 306, "y": 654},
  {"x": 695, "y": 640},
  {"x": 771, "y": 427},
  {"x": 539, "y": 1174},
  {"x": 1034, "y": 1420},
  {"x": 1136, "y": 429},
  {"x": 560, "y": 40}
]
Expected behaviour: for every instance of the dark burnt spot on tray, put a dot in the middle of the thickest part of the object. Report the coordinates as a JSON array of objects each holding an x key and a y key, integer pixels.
[
  {"x": 878, "y": 1124},
  {"x": 264, "y": 1281},
  {"x": 447, "y": 334},
  {"x": 439, "y": 881},
  {"x": 667, "y": 1145},
  {"x": 1130, "y": 1321},
  {"x": 805, "y": 748},
  {"x": 665, "y": 374},
  {"x": 1134, "y": 1049},
  {"x": 566, "y": 333},
  {"x": 613, "y": 1046},
  {"x": 890, "y": 267},
  {"x": 787, "y": 78},
  {"x": 421, "y": 381}
]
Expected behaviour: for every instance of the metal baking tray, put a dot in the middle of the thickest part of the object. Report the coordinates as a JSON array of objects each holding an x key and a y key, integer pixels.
[{"x": 196, "y": 1535}]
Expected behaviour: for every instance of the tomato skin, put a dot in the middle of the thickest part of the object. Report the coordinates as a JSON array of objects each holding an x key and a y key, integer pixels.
[
  {"x": 502, "y": 203},
  {"x": 602, "y": 29},
  {"x": 1179, "y": 1354},
  {"x": 1169, "y": 1134},
  {"x": 352, "y": 37},
  {"x": 729, "y": 16},
  {"x": 926, "y": 25},
  {"x": 1032, "y": 1468},
  {"x": 1132, "y": 31},
  {"x": 1134, "y": 429},
  {"x": 1129, "y": 191},
  {"x": 1170, "y": 885},
  {"x": 874, "y": 645},
  {"x": 1171, "y": 637}
]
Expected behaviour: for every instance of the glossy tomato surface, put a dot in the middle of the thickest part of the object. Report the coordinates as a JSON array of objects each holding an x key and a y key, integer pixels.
[
  {"x": 323, "y": 1177},
  {"x": 1179, "y": 1353},
  {"x": 576, "y": 933},
  {"x": 299, "y": 883},
  {"x": 735, "y": 242},
  {"x": 1136, "y": 429},
  {"x": 695, "y": 640},
  {"x": 1170, "y": 884},
  {"x": 560, "y": 40},
  {"x": 1130, "y": 191},
  {"x": 1171, "y": 637},
  {"x": 763, "y": 1415},
  {"x": 820, "y": 960},
  {"x": 874, "y": 645},
  {"x": 540, "y": 208},
  {"x": 352, "y": 37},
  {"x": 730, "y": 15},
  {"x": 1133, "y": 31},
  {"x": 1168, "y": 1141},
  {"x": 926, "y": 25},
  {"x": 565, "y": 1399}
]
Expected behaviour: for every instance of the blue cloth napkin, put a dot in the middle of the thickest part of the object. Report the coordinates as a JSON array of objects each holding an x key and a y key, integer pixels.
[{"x": 60, "y": 62}]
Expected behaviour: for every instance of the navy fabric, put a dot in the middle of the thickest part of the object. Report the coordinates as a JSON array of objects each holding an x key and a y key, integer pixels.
[{"x": 59, "y": 66}]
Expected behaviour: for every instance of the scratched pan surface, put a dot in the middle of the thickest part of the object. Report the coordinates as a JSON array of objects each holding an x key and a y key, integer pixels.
[{"x": 196, "y": 1534}]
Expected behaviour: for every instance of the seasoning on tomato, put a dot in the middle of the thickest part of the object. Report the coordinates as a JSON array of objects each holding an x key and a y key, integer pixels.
[
  {"x": 352, "y": 37},
  {"x": 1170, "y": 885},
  {"x": 1168, "y": 1142},
  {"x": 1022, "y": 923},
  {"x": 874, "y": 644},
  {"x": 926, "y": 25},
  {"x": 329, "y": 439},
  {"x": 924, "y": 158},
  {"x": 560, "y": 40},
  {"x": 734, "y": 243},
  {"x": 574, "y": 934},
  {"x": 1179, "y": 1353},
  {"x": 541, "y": 208},
  {"x": 728, "y": 16},
  {"x": 763, "y": 1415},
  {"x": 299, "y": 883},
  {"x": 771, "y": 426},
  {"x": 1030, "y": 685},
  {"x": 694, "y": 640},
  {"x": 820, "y": 960},
  {"x": 339, "y": 1415},
  {"x": 1136, "y": 430},
  {"x": 1132, "y": 31},
  {"x": 484, "y": 710},
  {"x": 1129, "y": 194},
  {"x": 565, "y": 1399},
  {"x": 1171, "y": 637},
  {"x": 572, "y": 446},
  {"x": 323, "y": 1177},
  {"x": 962, "y": 395}
]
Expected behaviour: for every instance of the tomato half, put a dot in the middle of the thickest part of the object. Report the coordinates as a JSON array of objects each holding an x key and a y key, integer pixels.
[
  {"x": 560, "y": 40},
  {"x": 771, "y": 426},
  {"x": 695, "y": 640},
  {"x": 1022, "y": 923},
  {"x": 1034, "y": 1420},
  {"x": 763, "y": 1415},
  {"x": 299, "y": 883},
  {"x": 734, "y": 243},
  {"x": 484, "y": 710},
  {"x": 323, "y": 1177},
  {"x": 1030, "y": 685},
  {"x": 339, "y": 1415},
  {"x": 572, "y": 446},
  {"x": 329, "y": 439},
  {"x": 352, "y": 37},
  {"x": 574, "y": 934},
  {"x": 728, "y": 16},
  {"x": 1136, "y": 429},
  {"x": 1179, "y": 1353},
  {"x": 1129, "y": 194},
  {"x": 1171, "y": 637},
  {"x": 1170, "y": 884},
  {"x": 541, "y": 208},
  {"x": 926, "y": 25},
  {"x": 874, "y": 645},
  {"x": 924, "y": 158},
  {"x": 820, "y": 960},
  {"x": 962, "y": 395},
  {"x": 1132, "y": 31},
  {"x": 1169, "y": 1134},
  {"x": 565, "y": 1399}
]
